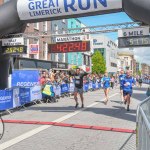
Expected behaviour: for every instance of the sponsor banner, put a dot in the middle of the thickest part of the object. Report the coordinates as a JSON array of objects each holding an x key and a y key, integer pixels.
[
  {"x": 16, "y": 98},
  {"x": 24, "y": 95},
  {"x": 35, "y": 93},
  {"x": 34, "y": 48},
  {"x": 16, "y": 50},
  {"x": 13, "y": 41},
  {"x": 71, "y": 87},
  {"x": 38, "y": 9},
  {"x": 64, "y": 88},
  {"x": 25, "y": 78},
  {"x": 57, "y": 90},
  {"x": 86, "y": 87},
  {"x": 134, "y": 32},
  {"x": 72, "y": 38},
  {"x": 6, "y": 99}
]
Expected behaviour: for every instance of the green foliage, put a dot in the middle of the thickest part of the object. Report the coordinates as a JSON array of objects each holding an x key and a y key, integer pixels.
[
  {"x": 98, "y": 61},
  {"x": 139, "y": 73}
]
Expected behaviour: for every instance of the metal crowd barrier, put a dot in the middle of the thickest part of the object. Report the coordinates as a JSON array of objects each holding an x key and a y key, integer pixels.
[
  {"x": 20, "y": 96},
  {"x": 143, "y": 125},
  {"x": 146, "y": 81}
]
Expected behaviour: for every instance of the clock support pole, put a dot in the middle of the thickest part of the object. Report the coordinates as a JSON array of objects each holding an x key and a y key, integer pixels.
[{"x": 4, "y": 70}]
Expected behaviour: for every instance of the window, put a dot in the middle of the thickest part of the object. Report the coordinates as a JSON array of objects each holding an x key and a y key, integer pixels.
[
  {"x": 113, "y": 65},
  {"x": 63, "y": 31},
  {"x": 36, "y": 26},
  {"x": 44, "y": 50},
  {"x": 45, "y": 26},
  {"x": 35, "y": 41},
  {"x": 63, "y": 20},
  {"x": 56, "y": 29}
]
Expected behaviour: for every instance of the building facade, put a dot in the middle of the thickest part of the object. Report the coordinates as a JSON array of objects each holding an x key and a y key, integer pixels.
[
  {"x": 59, "y": 27},
  {"x": 108, "y": 49},
  {"x": 75, "y": 58},
  {"x": 127, "y": 58},
  {"x": 145, "y": 69}
]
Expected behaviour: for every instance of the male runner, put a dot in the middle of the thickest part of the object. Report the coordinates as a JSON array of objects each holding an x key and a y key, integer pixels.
[
  {"x": 121, "y": 78},
  {"x": 78, "y": 76},
  {"x": 128, "y": 82}
]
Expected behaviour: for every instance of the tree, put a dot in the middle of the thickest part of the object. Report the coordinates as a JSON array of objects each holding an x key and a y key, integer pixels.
[
  {"x": 139, "y": 73},
  {"x": 98, "y": 61}
]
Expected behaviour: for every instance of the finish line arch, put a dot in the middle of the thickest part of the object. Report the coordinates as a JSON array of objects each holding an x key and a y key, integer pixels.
[{"x": 15, "y": 14}]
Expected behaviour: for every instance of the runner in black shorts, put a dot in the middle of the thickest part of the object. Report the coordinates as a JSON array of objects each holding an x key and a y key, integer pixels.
[{"x": 78, "y": 75}]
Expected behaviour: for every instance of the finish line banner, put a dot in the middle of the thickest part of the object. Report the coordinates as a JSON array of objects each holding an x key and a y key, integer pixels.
[{"x": 38, "y": 9}]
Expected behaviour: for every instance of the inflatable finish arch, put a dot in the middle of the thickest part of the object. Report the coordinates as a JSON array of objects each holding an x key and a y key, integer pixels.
[{"x": 15, "y": 14}]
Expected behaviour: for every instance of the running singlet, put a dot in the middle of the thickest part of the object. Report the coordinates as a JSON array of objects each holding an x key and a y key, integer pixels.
[
  {"x": 106, "y": 82},
  {"x": 78, "y": 79},
  {"x": 121, "y": 78},
  {"x": 129, "y": 81}
]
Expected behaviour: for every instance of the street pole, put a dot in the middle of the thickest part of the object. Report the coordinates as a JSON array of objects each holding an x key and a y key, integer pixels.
[{"x": 4, "y": 70}]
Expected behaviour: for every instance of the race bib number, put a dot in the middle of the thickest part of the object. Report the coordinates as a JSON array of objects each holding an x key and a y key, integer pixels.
[{"x": 77, "y": 82}]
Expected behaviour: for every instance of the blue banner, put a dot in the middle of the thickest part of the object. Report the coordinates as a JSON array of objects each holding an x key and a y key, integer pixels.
[
  {"x": 24, "y": 95},
  {"x": 25, "y": 78},
  {"x": 94, "y": 85},
  {"x": 86, "y": 87},
  {"x": 6, "y": 99},
  {"x": 64, "y": 88}
]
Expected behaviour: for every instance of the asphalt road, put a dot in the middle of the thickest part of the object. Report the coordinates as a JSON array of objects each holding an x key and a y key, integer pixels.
[{"x": 48, "y": 137}]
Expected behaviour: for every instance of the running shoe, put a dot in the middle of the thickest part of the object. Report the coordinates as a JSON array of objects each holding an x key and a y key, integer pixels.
[
  {"x": 128, "y": 109},
  {"x": 82, "y": 106},
  {"x": 77, "y": 104}
]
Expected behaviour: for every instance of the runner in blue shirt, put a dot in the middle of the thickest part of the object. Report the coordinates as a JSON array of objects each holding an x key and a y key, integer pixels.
[
  {"x": 121, "y": 79},
  {"x": 128, "y": 83},
  {"x": 106, "y": 85}
]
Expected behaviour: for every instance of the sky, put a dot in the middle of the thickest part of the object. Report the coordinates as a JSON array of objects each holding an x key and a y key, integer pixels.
[{"x": 142, "y": 54}]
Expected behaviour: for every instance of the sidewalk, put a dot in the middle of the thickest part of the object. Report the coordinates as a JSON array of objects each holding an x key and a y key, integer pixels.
[{"x": 46, "y": 137}]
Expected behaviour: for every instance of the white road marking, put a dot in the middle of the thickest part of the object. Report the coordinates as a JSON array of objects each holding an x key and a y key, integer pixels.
[{"x": 42, "y": 128}]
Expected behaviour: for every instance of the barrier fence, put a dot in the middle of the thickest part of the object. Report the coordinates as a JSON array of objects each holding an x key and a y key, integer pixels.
[
  {"x": 146, "y": 81},
  {"x": 143, "y": 125},
  {"x": 19, "y": 96}
]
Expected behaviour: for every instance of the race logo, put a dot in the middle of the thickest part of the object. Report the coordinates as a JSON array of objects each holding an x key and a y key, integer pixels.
[{"x": 34, "y": 9}]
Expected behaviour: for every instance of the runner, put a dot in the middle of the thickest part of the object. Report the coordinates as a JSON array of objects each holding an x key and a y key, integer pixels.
[
  {"x": 140, "y": 82},
  {"x": 78, "y": 77},
  {"x": 121, "y": 78},
  {"x": 106, "y": 85},
  {"x": 128, "y": 82}
]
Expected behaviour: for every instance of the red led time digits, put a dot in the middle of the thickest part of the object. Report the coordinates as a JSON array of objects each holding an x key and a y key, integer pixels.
[{"x": 84, "y": 46}]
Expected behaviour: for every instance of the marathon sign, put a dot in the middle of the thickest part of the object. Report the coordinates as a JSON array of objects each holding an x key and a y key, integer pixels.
[
  {"x": 38, "y": 9},
  {"x": 13, "y": 41},
  {"x": 142, "y": 31},
  {"x": 71, "y": 38}
]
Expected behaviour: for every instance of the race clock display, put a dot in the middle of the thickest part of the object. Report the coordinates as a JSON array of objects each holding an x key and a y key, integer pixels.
[
  {"x": 139, "y": 41},
  {"x": 67, "y": 47}
]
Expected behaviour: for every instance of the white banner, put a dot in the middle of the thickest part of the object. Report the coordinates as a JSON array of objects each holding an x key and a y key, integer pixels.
[
  {"x": 16, "y": 98},
  {"x": 133, "y": 32},
  {"x": 38, "y": 9},
  {"x": 36, "y": 93},
  {"x": 72, "y": 38},
  {"x": 13, "y": 41}
]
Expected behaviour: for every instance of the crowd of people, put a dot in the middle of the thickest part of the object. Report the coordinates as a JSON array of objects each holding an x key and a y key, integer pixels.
[{"x": 79, "y": 77}]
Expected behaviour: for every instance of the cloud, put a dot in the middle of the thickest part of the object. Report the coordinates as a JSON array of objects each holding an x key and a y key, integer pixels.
[{"x": 142, "y": 54}]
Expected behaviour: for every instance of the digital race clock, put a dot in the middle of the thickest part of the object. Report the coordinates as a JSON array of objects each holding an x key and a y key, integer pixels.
[
  {"x": 139, "y": 41},
  {"x": 79, "y": 46}
]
